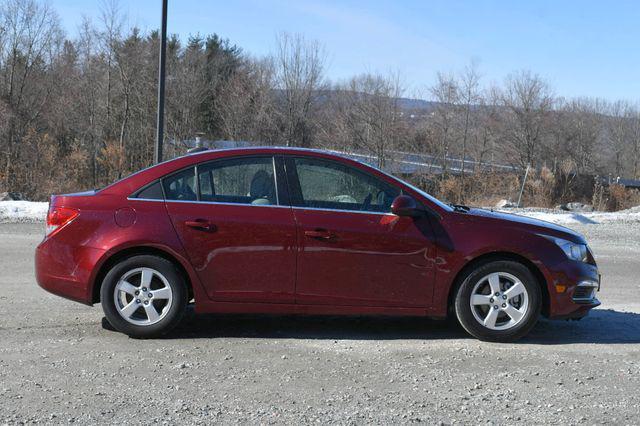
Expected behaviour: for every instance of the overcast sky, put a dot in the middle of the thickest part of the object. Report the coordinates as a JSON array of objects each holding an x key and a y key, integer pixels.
[{"x": 583, "y": 48}]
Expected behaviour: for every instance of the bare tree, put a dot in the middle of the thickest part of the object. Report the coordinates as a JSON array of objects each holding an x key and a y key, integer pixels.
[
  {"x": 247, "y": 108},
  {"x": 635, "y": 143},
  {"x": 112, "y": 22},
  {"x": 487, "y": 128},
  {"x": 447, "y": 95},
  {"x": 528, "y": 101},
  {"x": 300, "y": 67},
  {"x": 576, "y": 129},
  {"x": 31, "y": 39},
  {"x": 364, "y": 115},
  {"x": 469, "y": 98},
  {"x": 87, "y": 103},
  {"x": 619, "y": 133}
]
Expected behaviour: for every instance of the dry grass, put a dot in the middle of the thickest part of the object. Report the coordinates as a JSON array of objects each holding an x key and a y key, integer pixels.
[
  {"x": 621, "y": 198},
  {"x": 542, "y": 189}
]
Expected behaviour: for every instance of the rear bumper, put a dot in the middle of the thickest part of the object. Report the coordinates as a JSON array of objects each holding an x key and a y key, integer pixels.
[{"x": 65, "y": 270}]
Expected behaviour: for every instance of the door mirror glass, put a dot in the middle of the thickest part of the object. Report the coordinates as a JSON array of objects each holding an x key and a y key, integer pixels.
[{"x": 404, "y": 205}]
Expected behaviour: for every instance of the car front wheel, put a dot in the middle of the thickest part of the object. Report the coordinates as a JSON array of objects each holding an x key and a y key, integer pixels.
[
  {"x": 144, "y": 296},
  {"x": 498, "y": 301}
]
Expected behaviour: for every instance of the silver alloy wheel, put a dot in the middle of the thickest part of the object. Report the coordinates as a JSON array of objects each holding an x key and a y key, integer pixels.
[
  {"x": 143, "y": 296},
  {"x": 499, "y": 301}
]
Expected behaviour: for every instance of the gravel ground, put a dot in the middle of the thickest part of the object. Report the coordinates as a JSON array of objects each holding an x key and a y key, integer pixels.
[{"x": 58, "y": 365}]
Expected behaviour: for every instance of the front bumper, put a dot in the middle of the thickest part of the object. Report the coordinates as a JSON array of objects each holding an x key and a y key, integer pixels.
[
  {"x": 581, "y": 312},
  {"x": 585, "y": 292},
  {"x": 573, "y": 290}
]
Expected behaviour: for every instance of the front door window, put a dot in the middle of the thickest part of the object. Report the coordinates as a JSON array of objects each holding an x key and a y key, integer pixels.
[{"x": 330, "y": 185}]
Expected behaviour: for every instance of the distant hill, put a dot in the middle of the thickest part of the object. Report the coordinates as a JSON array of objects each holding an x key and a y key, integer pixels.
[
  {"x": 417, "y": 104},
  {"x": 407, "y": 104}
]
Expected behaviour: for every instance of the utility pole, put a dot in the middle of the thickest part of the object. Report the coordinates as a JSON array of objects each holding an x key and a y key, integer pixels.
[
  {"x": 161, "y": 73},
  {"x": 524, "y": 181}
]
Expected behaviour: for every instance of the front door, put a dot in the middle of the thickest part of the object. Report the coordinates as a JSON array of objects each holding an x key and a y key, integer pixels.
[
  {"x": 239, "y": 238},
  {"x": 352, "y": 250}
]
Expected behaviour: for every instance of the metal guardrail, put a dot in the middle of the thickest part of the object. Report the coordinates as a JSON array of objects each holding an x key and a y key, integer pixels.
[{"x": 411, "y": 163}]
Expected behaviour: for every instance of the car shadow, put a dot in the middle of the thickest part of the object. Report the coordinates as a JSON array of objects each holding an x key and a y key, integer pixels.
[
  {"x": 314, "y": 327},
  {"x": 583, "y": 219},
  {"x": 602, "y": 326}
]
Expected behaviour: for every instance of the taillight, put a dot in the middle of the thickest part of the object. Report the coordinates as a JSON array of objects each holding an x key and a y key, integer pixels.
[{"x": 57, "y": 217}]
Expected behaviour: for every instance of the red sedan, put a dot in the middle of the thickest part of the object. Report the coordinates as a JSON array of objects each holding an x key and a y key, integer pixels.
[{"x": 282, "y": 231}]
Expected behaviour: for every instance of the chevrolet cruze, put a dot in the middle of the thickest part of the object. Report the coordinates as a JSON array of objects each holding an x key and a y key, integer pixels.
[{"x": 293, "y": 231}]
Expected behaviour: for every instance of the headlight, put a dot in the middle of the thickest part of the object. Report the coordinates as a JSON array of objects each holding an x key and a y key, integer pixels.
[{"x": 573, "y": 251}]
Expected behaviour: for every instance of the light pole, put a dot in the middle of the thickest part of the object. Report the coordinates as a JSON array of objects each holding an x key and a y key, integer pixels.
[{"x": 161, "y": 72}]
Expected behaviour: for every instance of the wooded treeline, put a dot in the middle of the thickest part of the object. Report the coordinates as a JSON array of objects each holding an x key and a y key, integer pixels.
[{"x": 79, "y": 112}]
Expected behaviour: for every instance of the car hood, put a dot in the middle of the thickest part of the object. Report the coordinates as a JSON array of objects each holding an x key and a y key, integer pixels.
[{"x": 535, "y": 225}]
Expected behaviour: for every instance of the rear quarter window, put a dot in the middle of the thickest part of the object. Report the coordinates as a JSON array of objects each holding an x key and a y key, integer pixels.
[{"x": 151, "y": 192}]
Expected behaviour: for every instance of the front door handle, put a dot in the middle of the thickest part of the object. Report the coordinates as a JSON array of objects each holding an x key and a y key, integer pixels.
[
  {"x": 320, "y": 234},
  {"x": 201, "y": 224}
]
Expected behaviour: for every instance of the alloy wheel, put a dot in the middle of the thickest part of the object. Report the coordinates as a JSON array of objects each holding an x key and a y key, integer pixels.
[
  {"x": 499, "y": 301},
  {"x": 143, "y": 296}
]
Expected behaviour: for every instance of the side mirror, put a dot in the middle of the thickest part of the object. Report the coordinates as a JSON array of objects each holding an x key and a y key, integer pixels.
[{"x": 403, "y": 205}]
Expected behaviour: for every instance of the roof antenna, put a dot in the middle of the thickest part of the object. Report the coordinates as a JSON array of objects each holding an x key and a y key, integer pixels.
[{"x": 198, "y": 147}]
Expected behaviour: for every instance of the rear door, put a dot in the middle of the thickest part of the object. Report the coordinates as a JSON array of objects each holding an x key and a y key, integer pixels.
[
  {"x": 236, "y": 227},
  {"x": 352, "y": 250}
]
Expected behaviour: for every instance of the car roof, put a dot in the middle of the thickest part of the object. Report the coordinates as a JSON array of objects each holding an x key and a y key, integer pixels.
[
  {"x": 265, "y": 148},
  {"x": 208, "y": 154}
]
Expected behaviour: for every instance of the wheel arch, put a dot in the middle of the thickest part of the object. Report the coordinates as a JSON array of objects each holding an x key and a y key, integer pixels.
[
  {"x": 495, "y": 256},
  {"x": 125, "y": 253}
]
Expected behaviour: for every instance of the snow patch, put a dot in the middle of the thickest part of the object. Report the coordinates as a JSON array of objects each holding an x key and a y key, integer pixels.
[
  {"x": 23, "y": 211},
  {"x": 570, "y": 218}
]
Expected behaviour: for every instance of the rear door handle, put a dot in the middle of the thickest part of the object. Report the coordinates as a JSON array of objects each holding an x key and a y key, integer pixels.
[
  {"x": 201, "y": 224},
  {"x": 320, "y": 234}
]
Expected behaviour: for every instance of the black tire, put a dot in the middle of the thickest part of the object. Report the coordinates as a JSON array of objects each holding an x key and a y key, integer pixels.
[
  {"x": 107, "y": 325},
  {"x": 168, "y": 320},
  {"x": 472, "y": 325}
]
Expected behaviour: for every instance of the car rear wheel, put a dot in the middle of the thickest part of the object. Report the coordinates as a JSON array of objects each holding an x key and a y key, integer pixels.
[
  {"x": 144, "y": 296},
  {"x": 498, "y": 301}
]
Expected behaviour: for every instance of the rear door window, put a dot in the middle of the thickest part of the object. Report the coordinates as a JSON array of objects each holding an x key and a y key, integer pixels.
[
  {"x": 181, "y": 186},
  {"x": 239, "y": 181}
]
